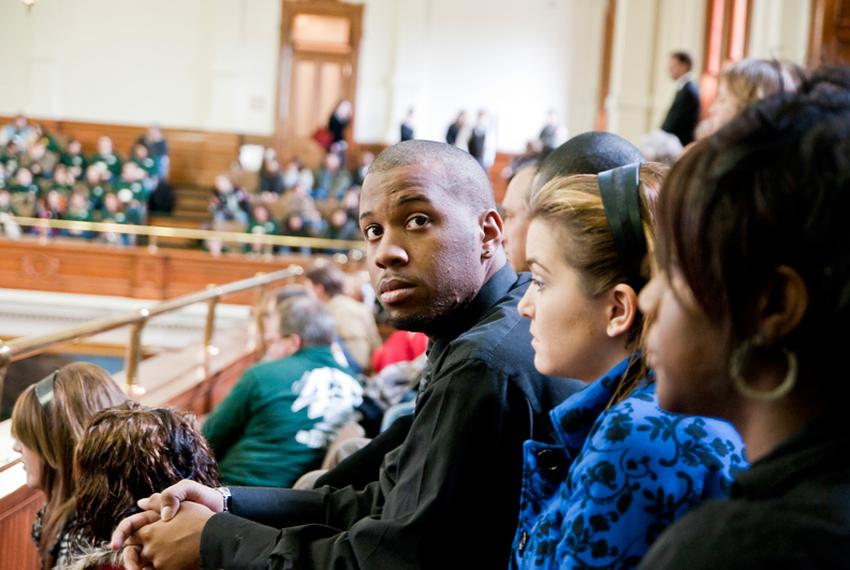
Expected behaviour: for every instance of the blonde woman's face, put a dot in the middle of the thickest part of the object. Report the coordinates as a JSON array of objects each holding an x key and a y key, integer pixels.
[
  {"x": 568, "y": 326},
  {"x": 725, "y": 106},
  {"x": 33, "y": 465}
]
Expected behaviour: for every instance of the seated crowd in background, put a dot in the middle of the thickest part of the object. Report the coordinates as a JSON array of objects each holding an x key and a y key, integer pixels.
[
  {"x": 293, "y": 200},
  {"x": 42, "y": 177}
]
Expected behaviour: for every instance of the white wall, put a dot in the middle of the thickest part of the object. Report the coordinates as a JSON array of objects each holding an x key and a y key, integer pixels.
[
  {"x": 515, "y": 58},
  {"x": 780, "y": 29},
  {"x": 646, "y": 32},
  {"x": 205, "y": 64},
  {"x": 211, "y": 64}
]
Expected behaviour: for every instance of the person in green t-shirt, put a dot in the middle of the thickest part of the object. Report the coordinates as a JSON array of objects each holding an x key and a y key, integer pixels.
[
  {"x": 96, "y": 185},
  {"x": 280, "y": 417},
  {"x": 79, "y": 210},
  {"x": 141, "y": 156},
  {"x": 261, "y": 224},
  {"x": 62, "y": 181},
  {"x": 74, "y": 159},
  {"x": 130, "y": 184},
  {"x": 133, "y": 193},
  {"x": 10, "y": 158},
  {"x": 23, "y": 183},
  {"x": 107, "y": 156},
  {"x": 113, "y": 211}
]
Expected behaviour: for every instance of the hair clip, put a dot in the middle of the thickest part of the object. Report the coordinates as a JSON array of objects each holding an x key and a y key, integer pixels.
[{"x": 44, "y": 389}]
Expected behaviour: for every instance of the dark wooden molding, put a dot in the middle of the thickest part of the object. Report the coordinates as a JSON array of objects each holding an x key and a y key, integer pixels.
[
  {"x": 601, "y": 122},
  {"x": 91, "y": 268},
  {"x": 829, "y": 33}
]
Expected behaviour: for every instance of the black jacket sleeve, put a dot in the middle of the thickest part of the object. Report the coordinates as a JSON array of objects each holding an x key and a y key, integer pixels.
[
  {"x": 361, "y": 468},
  {"x": 452, "y": 487}
]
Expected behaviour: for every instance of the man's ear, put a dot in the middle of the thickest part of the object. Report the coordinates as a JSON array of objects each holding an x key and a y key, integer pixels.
[
  {"x": 296, "y": 343},
  {"x": 621, "y": 311},
  {"x": 782, "y": 305},
  {"x": 491, "y": 233}
]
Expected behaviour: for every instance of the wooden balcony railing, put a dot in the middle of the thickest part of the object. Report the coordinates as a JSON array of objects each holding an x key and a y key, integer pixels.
[
  {"x": 22, "y": 347},
  {"x": 44, "y": 226}
]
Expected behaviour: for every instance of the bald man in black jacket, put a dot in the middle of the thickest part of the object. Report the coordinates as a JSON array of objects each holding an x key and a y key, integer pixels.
[{"x": 448, "y": 496}]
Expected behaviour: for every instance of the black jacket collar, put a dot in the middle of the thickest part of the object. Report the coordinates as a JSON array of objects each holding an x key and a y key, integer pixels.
[{"x": 463, "y": 319}]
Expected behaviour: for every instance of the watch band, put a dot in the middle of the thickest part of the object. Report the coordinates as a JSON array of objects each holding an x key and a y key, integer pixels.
[{"x": 226, "y": 498}]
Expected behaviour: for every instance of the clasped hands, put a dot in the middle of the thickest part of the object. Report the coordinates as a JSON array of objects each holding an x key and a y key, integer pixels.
[{"x": 167, "y": 534}]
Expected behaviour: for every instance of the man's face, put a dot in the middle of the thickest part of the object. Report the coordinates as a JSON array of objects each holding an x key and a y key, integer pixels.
[
  {"x": 423, "y": 247},
  {"x": 515, "y": 206},
  {"x": 676, "y": 68},
  {"x": 104, "y": 146}
]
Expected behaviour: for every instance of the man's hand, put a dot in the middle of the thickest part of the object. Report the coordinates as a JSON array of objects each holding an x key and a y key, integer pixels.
[
  {"x": 128, "y": 527},
  {"x": 169, "y": 545},
  {"x": 168, "y": 502},
  {"x": 166, "y": 505}
]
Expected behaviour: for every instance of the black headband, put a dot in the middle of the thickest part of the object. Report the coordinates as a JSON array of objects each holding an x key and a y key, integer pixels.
[
  {"x": 44, "y": 389},
  {"x": 620, "y": 189}
]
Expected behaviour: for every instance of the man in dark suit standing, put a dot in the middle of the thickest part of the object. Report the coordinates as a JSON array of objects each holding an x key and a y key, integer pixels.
[
  {"x": 407, "y": 133},
  {"x": 683, "y": 116}
]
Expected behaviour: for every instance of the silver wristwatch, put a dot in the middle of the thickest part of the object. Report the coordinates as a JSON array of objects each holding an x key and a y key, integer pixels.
[{"x": 226, "y": 498}]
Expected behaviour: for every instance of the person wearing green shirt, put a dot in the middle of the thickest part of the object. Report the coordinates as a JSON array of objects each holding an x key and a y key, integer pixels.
[
  {"x": 280, "y": 417},
  {"x": 79, "y": 210},
  {"x": 261, "y": 224},
  {"x": 62, "y": 181},
  {"x": 74, "y": 159},
  {"x": 106, "y": 155},
  {"x": 141, "y": 157},
  {"x": 130, "y": 185}
]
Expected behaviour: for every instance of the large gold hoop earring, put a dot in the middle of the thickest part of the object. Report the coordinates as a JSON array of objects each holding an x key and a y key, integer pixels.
[{"x": 741, "y": 357}]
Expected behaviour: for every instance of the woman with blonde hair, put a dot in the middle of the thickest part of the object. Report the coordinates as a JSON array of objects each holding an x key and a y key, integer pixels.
[
  {"x": 48, "y": 420},
  {"x": 621, "y": 469},
  {"x": 743, "y": 83}
]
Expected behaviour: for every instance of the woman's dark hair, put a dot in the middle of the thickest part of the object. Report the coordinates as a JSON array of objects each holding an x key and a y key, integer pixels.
[
  {"x": 130, "y": 452},
  {"x": 770, "y": 188}
]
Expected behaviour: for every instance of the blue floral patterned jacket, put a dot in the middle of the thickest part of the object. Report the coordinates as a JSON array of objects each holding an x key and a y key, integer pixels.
[{"x": 617, "y": 477}]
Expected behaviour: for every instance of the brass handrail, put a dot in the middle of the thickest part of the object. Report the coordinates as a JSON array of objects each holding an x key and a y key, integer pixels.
[
  {"x": 188, "y": 233},
  {"x": 22, "y": 347}
]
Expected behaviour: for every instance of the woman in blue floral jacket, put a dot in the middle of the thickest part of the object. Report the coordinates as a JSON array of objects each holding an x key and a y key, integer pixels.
[{"x": 622, "y": 469}]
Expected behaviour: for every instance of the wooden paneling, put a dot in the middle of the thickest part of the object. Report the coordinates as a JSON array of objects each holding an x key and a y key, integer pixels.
[
  {"x": 601, "y": 123},
  {"x": 17, "y": 512},
  {"x": 196, "y": 156},
  {"x": 727, "y": 25},
  {"x": 79, "y": 267},
  {"x": 829, "y": 33},
  {"x": 496, "y": 174}
]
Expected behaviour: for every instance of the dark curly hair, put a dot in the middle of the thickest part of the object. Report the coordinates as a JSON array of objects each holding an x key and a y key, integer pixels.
[
  {"x": 770, "y": 188},
  {"x": 130, "y": 452}
]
